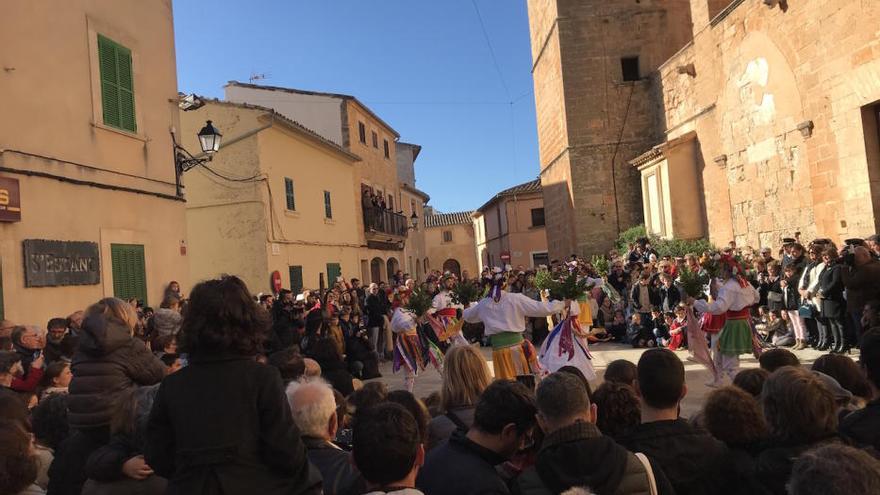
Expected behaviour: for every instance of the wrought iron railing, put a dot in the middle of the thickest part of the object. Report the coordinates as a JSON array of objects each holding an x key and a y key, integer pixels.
[{"x": 384, "y": 221}]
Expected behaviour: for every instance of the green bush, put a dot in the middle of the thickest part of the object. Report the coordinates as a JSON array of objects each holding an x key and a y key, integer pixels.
[{"x": 664, "y": 247}]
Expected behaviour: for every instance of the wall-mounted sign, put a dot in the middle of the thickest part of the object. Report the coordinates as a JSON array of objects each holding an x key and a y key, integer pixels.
[
  {"x": 53, "y": 263},
  {"x": 10, "y": 200}
]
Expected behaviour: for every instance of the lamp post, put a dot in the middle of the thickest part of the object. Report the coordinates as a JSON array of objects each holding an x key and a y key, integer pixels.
[
  {"x": 184, "y": 161},
  {"x": 414, "y": 221}
]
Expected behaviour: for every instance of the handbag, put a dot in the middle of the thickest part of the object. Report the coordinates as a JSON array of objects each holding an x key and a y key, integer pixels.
[{"x": 807, "y": 310}]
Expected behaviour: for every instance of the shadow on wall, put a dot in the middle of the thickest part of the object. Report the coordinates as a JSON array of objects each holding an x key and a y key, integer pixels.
[{"x": 559, "y": 220}]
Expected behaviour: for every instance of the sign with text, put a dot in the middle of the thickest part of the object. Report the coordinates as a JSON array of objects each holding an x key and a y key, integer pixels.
[
  {"x": 10, "y": 200},
  {"x": 54, "y": 263}
]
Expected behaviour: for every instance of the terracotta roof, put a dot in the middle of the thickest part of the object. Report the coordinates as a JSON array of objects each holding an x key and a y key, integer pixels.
[
  {"x": 296, "y": 126},
  {"x": 533, "y": 186},
  {"x": 316, "y": 93},
  {"x": 444, "y": 219}
]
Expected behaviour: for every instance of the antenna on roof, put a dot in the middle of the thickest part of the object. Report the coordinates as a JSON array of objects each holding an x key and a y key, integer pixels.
[{"x": 258, "y": 77}]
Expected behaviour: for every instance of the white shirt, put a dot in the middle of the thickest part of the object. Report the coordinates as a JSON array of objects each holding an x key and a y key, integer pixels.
[
  {"x": 509, "y": 314},
  {"x": 731, "y": 297},
  {"x": 443, "y": 300}
]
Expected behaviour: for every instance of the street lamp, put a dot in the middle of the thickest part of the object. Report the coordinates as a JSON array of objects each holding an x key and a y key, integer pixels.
[
  {"x": 184, "y": 161},
  {"x": 209, "y": 139},
  {"x": 414, "y": 221}
]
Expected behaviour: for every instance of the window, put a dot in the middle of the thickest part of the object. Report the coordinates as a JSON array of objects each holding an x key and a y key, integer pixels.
[
  {"x": 375, "y": 140},
  {"x": 296, "y": 278},
  {"x": 390, "y": 203},
  {"x": 387, "y": 150},
  {"x": 537, "y": 217},
  {"x": 288, "y": 192},
  {"x": 333, "y": 271},
  {"x": 328, "y": 209},
  {"x": 129, "y": 272},
  {"x": 447, "y": 236},
  {"x": 539, "y": 259},
  {"x": 362, "y": 132},
  {"x": 630, "y": 68},
  {"x": 117, "y": 84}
]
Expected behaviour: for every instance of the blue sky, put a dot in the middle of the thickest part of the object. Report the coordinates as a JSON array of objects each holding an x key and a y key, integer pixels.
[{"x": 423, "y": 65}]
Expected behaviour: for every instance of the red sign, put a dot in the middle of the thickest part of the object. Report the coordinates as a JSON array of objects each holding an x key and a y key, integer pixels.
[
  {"x": 276, "y": 281},
  {"x": 10, "y": 200},
  {"x": 505, "y": 256}
]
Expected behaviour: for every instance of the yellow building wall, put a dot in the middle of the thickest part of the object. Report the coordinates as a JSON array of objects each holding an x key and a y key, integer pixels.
[
  {"x": 52, "y": 123},
  {"x": 523, "y": 238},
  {"x": 462, "y": 248},
  {"x": 240, "y": 228}
]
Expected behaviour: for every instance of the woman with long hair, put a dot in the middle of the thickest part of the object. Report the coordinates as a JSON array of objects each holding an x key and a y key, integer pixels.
[
  {"x": 222, "y": 424},
  {"x": 465, "y": 376}
]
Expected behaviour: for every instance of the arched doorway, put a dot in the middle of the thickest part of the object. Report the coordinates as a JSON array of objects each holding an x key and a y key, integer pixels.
[
  {"x": 376, "y": 270},
  {"x": 452, "y": 266},
  {"x": 392, "y": 266}
]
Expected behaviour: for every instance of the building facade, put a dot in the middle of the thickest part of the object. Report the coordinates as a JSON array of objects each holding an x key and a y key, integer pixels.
[
  {"x": 451, "y": 244},
  {"x": 745, "y": 121},
  {"x": 382, "y": 232},
  {"x": 772, "y": 111},
  {"x": 595, "y": 110},
  {"x": 259, "y": 207},
  {"x": 412, "y": 203},
  {"x": 88, "y": 198},
  {"x": 510, "y": 228}
]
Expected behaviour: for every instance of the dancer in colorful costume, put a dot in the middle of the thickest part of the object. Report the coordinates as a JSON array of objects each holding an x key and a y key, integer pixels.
[
  {"x": 444, "y": 317},
  {"x": 412, "y": 350},
  {"x": 735, "y": 297},
  {"x": 504, "y": 317}
]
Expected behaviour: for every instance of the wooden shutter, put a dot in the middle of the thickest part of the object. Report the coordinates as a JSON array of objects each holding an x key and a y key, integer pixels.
[
  {"x": 328, "y": 208},
  {"x": 333, "y": 271},
  {"x": 296, "y": 279},
  {"x": 117, "y": 85},
  {"x": 129, "y": 271},
  {"x": 288, "y": 190}
]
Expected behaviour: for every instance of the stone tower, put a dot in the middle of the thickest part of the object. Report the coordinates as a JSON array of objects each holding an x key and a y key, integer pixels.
[{"x": 593, "y": 61}]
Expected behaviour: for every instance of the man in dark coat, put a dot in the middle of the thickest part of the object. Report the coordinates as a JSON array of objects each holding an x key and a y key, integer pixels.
[
  {"x": 862, "y": 281},
  {"x": 574, "y": 454},
  {"x": 504, "y": 417},
  {"x": 314, "y": 410},
  {"x": 692, "y": 460},
  {"x": 863, "y": 427}
]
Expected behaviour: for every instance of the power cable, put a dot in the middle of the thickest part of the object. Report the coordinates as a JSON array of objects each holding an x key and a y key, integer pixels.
[{"x": 491, "y": 50}]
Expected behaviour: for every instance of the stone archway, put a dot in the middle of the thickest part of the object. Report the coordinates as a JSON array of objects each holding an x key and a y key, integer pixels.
[
  {"x": 376, "y": 270},
  {"x": 392, "y": 265},
  {"x": 452, "y": 266}
]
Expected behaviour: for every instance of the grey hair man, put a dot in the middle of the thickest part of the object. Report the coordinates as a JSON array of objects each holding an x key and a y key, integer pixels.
[{"x": 313, "y": 407}]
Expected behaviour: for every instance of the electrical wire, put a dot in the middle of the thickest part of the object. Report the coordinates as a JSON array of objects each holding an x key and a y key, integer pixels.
[
  {"x": 632, "y": 89},
  {"x": 491, "y": 50},
  {"x": 253, "y": 178}
]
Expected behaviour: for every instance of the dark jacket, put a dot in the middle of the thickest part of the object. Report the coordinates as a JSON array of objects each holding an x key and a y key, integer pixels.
[
  {"x": 653, "y": 297},
  {"x": 339, "y": 473},
  {"x": 831, "y": 287},
  {"x": 669, "y": 297},
  {"x": 107, "y": 363},
  {"x": 862, "y": 427},
  {"x": 222, "y": 425},
  {"x": 473, "y": 467},
  {"x": 862, "y": 285},
  {"x": 337, "y": 375},
  {"x": 104, "y": 470},
  {"x": 442, "y": 426},
  {"x": 375, "y": 311},
  {"x": 579, "y": 456},
  {"x": 775, "y": 462},
  {"x": 692, "y": 460}
]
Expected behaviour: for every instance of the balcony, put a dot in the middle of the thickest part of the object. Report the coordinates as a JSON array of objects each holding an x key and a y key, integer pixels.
[{"x": 385, "y": 229}]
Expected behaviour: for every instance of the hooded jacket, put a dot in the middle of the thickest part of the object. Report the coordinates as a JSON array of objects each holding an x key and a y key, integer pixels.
[
  {"x": 107, "y": 363},
  {"x": 579, "y": 456}
]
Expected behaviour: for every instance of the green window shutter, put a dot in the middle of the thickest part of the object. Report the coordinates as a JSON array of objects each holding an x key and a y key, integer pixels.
[
  {"x": 129, "y": 271},
  {"x": 333, "y": 271},
  {"x": 117, "y": 85},
  {"x": 288, "y": 190},
  {"x": 296, "y": 279},
  {"x": 328, "y": 209}
]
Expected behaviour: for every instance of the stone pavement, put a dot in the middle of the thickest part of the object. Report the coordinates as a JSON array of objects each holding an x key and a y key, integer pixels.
[{"x": 696, "y": 374}]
